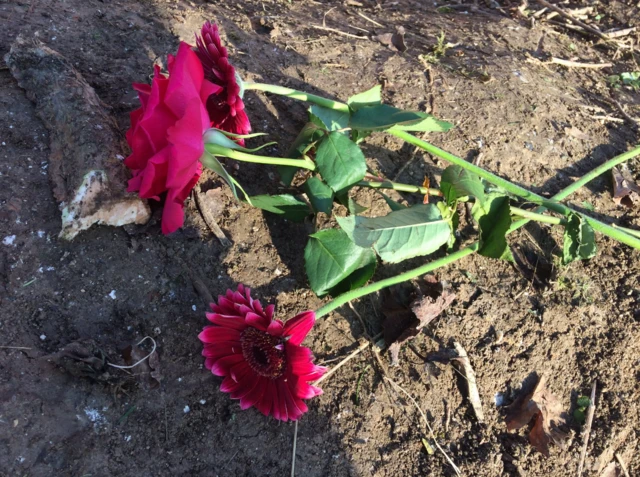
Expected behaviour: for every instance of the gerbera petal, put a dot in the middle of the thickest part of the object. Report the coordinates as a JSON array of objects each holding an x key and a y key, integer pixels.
[
  {"x": 233, "y": 322},
  {"x": 299, "y": 326},
  {"x": 217, "y": 334},
  {"x": 257, "y": 321},
  {"x": 275, "y": 328},
  {"x": 255, "y": 395},
  {"x": 265, "y": 404},
  {"x": 222, "y": 366},
  {"x": 299, "y": 359}
]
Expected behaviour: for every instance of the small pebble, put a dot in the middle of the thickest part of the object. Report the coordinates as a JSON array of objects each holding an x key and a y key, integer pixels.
[{"x": 187, "y": 409}]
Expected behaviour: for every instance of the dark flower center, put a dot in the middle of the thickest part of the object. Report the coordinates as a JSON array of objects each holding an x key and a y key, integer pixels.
[{"x": 263, "y": 352}]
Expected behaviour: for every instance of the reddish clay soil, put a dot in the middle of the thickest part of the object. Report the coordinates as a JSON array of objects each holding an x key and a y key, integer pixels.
[{"x": 534, "y": 124}]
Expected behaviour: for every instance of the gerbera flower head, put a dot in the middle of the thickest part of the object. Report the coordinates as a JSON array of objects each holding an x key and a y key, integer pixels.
[
  {"x": 260, "y": 358},
  {"x": 226, "y": 108}
]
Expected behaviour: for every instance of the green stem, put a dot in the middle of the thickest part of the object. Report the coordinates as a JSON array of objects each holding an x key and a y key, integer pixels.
[
  {"x": 387, "y": 282},
  {"x": 399, "y": 187},
  {"x": 373, "y": 287},
  {"x": 530, "y": 215},
  {"x": 514, "y": 189},
  {"x": 300, "y": 95},
  {"x": 217, "y": 150}
]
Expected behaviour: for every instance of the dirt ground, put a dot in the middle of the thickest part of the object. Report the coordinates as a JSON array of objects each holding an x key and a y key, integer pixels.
[{"x": 110, "y": 287}]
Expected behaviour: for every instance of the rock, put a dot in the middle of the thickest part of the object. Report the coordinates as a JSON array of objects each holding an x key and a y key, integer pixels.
[{"x": 85, "y": 164}]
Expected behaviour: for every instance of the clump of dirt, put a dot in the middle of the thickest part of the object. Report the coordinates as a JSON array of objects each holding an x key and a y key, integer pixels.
[{"x": 533, "y": 122}]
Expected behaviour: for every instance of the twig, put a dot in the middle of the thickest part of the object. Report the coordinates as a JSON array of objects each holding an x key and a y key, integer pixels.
[
  {"x": 370, "y": 20},
  {"x": 576, "y": 64},
  {"x": 424, "y": 417},
  {"x": 607, "y": 118},
  {"x": 587, "y": 431},
  {"x": 359, "y": 350},
  {"x": 596, "y": 32},
  {"x": 623, "y": 466},
  {"x": 625, "y": 114},
  {"x": 14, "y": 347},
  {"x": 210, "y": 219},
  {"x": 293, "y": 457},
  {"x": 620, "y": 33},
  {"x": 333, "y": 30},
  {"x": 141, "y": 360},
  {"x": 470, "y": 375}
]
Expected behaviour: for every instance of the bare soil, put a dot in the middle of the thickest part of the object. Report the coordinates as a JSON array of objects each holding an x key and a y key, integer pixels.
[{"x": 111, "y": 287}]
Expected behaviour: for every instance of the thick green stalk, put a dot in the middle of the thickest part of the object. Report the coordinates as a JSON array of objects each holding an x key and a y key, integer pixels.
[
  {"x": 514, "y": 189},
  {"x": 530, "y": 215},
  {"x": 387, "y": 282},
  {"x": 399, "y": 187},
  {"x": 429, "y": 267},
  {"x": 217, "y": 150},
  {"x": 299, "y": 95}
]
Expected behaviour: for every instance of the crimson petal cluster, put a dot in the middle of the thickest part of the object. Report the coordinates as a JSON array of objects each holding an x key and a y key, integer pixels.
[
  {"x": 225, "y": 108},
  {"x": 260, "y": 358}
]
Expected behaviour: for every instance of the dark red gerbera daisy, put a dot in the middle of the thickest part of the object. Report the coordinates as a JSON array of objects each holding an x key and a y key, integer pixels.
[
  {"x": 226, "y": 108},
  {"x": 259, "y": 357}
]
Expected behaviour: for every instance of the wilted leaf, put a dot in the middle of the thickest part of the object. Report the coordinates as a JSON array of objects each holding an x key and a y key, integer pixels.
[
  {"x": 426, "y": 183},
  {"x": 544, "y": 412},
  {"x": 402, "y": 323},
  {"x": 393, "y": 40},
  {"x": 579, "y": 240},
  {"x": 457, "y": 182},
  {"x": 494, "y": 218},
  {"x": 625, "y": 190}
]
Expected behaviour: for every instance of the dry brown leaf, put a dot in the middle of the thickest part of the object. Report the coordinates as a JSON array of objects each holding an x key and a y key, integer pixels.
[
  {"x": 611, "y": 471},
  {"x": 625, "y": 190},
  {"x": 148, "y": 371},
  {"x": 545, "y": 412},
  {"x": 402, "y": 323},
  {"x": 393, "y": 40},
  {"x": 426, "y": 184}
]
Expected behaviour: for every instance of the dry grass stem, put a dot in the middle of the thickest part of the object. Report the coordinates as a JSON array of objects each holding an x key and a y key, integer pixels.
[{"x": 591, "y": 411}]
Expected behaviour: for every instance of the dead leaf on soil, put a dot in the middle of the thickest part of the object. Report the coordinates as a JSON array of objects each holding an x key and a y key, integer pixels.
[
  {"x": 576, "y": 133},
  {"x": 625, "y": 190},
  {"x": 148, "y": 371},
  {"x": 393, "y": 40},
  {"x": 544, "y": 411},
  {"x": 402, "y": 323},
  {"x": 611, "y": 471}
]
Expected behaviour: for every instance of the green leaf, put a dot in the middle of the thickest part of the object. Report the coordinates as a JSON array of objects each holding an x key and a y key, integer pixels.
[
  {"x": 331, "y": 257},
  {"x": 371, "y": 97},
  {"x": 329, "y": 118},
  {"x": 210, "y": 161},
  {"x": 457, "y": 182},
  {"x": 340, "y": 161},
  {"x": 358, "y": 278},
  {"x": 579, "y": 416},
  {"x": 393, "y": 205},
  {"x": 450, "y": 215},
  {"x": 494, "y": 218},
  {"x": 286, "y": 205},
  {"x": 320, "y": 195},
  {"x": 309, "y": 134},
  {"x": 583, "y": 402},
  {"x": 401, "y": 234},
  {"x": 352, "y": 206},
  {"x": 383, "y": 116},
  {"x": 579, "y": 240},
  {"x": 428, "y": 123}
]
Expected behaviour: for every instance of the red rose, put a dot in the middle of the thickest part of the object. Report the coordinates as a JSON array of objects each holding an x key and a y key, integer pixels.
[{"x": 166, "y": 134}]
